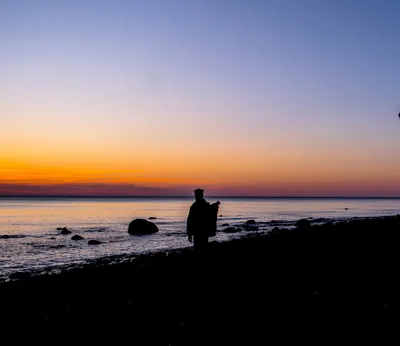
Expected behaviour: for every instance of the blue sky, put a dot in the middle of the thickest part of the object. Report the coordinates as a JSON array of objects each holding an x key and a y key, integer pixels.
[{"x": 283, "y": 92}]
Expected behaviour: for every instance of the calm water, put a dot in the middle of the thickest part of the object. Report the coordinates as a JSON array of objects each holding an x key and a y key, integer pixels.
[{"x": 30, "y": 241}]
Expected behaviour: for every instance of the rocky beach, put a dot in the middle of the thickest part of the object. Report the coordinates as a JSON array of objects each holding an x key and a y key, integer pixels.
[{"x": 332, "y": 278}]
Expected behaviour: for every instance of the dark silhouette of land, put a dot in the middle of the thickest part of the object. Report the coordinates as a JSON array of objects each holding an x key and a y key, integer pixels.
[{"x": 318, "y": 283}]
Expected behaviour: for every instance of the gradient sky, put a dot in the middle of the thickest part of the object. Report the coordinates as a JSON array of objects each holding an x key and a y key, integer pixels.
[{"x": 271, "y": 98}]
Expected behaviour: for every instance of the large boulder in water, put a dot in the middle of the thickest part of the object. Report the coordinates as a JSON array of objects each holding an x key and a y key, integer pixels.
[{"x": 142, "y": 226}]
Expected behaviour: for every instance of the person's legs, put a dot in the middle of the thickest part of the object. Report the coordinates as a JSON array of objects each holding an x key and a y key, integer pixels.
[{"x": 200, "y": 242}]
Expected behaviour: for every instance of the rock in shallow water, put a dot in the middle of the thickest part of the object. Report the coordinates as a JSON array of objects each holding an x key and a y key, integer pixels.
[
  {"x": 65, "y": 230},
  {"x": 142, "y": 226},
  {"x": 232, "y": 230},
  {"x": 94, "y": 242},
  {"x": 76, "y": 237}
]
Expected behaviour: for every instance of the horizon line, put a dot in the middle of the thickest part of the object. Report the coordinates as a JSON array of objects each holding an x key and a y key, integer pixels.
[{"x": 185, "y": 196}]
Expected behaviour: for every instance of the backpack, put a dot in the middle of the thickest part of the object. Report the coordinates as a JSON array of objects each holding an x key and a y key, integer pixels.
[{"x": 212, "y": 220}]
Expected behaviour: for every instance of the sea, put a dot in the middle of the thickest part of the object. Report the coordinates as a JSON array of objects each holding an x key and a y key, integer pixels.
[{"x": 31, "y": 241}]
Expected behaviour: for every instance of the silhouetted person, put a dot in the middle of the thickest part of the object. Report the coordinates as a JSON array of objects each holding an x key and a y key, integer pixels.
[
  {"x": 201, "y": 221},
  {"x": 201, "y": 224}
]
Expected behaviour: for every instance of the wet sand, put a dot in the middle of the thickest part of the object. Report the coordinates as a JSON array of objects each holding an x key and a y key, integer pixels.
[{"x": 309, "y": 283}]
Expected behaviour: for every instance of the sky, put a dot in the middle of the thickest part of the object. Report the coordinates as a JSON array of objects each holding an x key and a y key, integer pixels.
[{"x": 238, "y": 97}]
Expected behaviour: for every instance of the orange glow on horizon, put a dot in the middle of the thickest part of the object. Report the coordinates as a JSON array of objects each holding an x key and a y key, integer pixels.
[{"x": 235, "y": 171}]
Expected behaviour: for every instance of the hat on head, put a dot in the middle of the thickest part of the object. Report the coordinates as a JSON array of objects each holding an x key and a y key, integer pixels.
[{"x": 198, "y": 191}]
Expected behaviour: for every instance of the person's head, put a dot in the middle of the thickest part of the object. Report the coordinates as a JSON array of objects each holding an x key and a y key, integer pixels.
[{"x": 199, "y": 193}]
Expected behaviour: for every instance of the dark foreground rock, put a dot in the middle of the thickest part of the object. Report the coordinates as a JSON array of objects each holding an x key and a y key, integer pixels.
[{"x": 317, "y": 282}]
